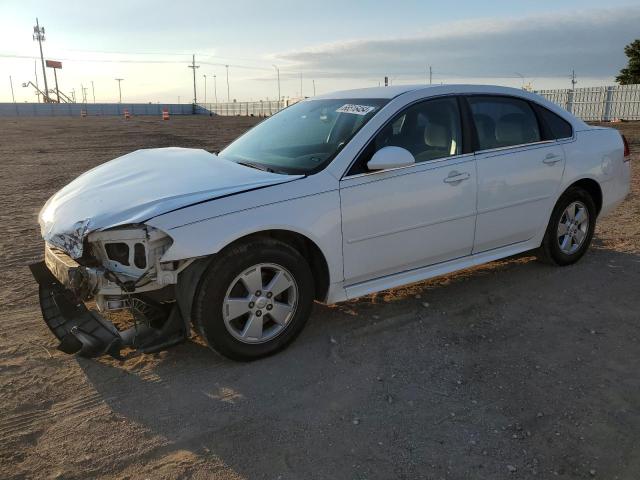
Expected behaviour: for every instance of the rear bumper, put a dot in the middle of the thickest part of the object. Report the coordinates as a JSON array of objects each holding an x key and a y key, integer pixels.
[{"x": 85, "y": 331}]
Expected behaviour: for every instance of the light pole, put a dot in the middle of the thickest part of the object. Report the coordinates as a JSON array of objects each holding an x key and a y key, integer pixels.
[
  {"x": 228, "y": 94},
  {"x": 12, "y": 95},
  {"x": 93, "y": 91},
  {"x": 119, "y": 89},
  {"x": 215, "y": 89},
  {"x": 521, "y": 78},
  {"x": 205, "y": 90},
  {"x": 278, "y": 72}
]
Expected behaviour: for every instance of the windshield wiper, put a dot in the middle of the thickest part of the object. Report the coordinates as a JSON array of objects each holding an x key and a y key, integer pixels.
[{"x": 257, "y": 166}]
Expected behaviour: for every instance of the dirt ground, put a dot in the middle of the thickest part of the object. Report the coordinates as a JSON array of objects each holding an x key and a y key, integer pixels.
[{"x": 510, "y": 370}]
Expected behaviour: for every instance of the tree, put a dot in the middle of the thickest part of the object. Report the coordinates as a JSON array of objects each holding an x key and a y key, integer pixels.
[{"x": 631, "y": 73}]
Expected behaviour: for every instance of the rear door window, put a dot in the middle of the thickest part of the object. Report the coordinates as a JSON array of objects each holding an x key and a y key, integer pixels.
[{"x": 503, "y": 121}]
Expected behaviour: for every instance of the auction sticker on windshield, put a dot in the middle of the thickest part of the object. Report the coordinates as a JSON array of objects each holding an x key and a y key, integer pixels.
[{"x": 355, "y": 109}]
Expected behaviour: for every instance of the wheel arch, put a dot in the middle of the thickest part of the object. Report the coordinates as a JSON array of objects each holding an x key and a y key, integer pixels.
[
  {"x": 592, "y": 187},
  {"x": 303, "y": 244}
]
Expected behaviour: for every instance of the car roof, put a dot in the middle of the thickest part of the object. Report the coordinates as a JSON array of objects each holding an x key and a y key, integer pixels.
[
  {"x": 395, "y": 90},
  {"x": 435, "y": 90}
]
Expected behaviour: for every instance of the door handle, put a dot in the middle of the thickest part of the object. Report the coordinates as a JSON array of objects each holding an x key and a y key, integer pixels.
[
  {"x": 455, "y": 177},
  {"x": 551, "y": 159}
]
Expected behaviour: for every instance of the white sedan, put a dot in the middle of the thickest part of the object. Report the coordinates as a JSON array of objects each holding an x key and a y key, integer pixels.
[{"x": 335, "y": 197}]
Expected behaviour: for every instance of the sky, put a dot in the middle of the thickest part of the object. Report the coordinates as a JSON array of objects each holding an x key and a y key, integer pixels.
[{"x": 323, "y": 45}]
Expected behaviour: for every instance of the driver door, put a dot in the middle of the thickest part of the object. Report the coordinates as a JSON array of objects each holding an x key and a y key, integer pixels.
[{"x": 404, "y": 218}]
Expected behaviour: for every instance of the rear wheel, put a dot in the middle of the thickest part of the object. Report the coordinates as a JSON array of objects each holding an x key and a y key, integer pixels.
[
  {"x": 254, "y": 299},
  {"x": 570, "y": 228}
]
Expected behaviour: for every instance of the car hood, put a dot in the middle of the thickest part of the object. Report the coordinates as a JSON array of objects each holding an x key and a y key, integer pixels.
[{"x": 141, "y": 185}]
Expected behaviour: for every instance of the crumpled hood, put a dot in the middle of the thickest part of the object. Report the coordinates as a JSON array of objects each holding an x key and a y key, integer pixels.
[{"x": 141, "y": 185}]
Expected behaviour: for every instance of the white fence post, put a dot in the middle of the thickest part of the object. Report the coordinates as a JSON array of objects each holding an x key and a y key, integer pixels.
[{"x": 608, "y": 105}]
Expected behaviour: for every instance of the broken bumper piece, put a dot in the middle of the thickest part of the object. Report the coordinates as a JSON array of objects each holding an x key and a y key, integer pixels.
[{"x": 87, "y": 333}]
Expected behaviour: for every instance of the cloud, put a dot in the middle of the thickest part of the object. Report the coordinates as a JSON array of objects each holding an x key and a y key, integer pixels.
[{"x": 547, "y": 45}]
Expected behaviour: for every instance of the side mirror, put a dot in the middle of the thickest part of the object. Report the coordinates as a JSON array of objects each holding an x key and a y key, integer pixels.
[{"x": 390, "y": 157}]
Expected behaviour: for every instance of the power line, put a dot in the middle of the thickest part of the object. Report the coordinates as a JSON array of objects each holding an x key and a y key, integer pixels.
[{"x": 142, "y": 62}]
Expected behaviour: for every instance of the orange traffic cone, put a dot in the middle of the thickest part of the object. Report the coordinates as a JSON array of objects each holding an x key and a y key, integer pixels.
[
  {"x": 165, "y": 114},
  {"x": 126, "y": 114}
]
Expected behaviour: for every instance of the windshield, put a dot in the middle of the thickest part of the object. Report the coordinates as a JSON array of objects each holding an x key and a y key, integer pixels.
[{"x": 303, "y": 138}]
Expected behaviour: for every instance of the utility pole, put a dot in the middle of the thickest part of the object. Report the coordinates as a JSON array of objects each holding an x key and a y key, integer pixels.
[
  {"x": 573, "y": 80},
  {"x": 228, "y": 95},
  {"x": 430, "y": 75},
  {"x": 314, "y": 87},
  {"x": 12, "y": 95},
  {"x": 35, "y": 70},
  {"x": 194, "y": 66},
  {"x": 38, "y": 34},
  {"x": 84, "y": 93},
  {"x": 73, "y": 95},
  {"x": 278, "y": 72},
  {"x": 119, "y": 89},
  {"x": 205, "y": 89},
  {"x": 93, "y": 91}
]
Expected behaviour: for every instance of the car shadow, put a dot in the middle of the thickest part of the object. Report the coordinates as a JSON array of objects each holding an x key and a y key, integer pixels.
[{"x": 513, "y": 362}]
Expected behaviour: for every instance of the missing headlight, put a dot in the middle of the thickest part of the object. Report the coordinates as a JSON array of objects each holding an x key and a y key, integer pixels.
[
  {"x": 119, "y": 252},
  {"x": 139, "y": 256}
]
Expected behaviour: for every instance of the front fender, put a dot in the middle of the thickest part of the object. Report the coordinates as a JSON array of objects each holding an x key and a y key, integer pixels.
[{"x": 316, "y": 217}]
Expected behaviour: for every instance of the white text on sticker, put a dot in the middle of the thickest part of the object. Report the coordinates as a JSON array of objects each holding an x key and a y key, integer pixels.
[{"x": 355, "y": 109}]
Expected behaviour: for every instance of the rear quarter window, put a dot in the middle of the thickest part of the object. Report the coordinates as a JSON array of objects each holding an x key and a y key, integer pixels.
[{"x": 557, "y": 126}]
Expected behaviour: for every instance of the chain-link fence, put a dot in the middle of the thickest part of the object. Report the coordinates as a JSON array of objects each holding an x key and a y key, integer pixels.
[
  {"x": 261, "y": 108},
  {"x": 93, "y": 109}
]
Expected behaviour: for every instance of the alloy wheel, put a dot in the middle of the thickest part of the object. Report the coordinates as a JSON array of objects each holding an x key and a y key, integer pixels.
[
  {"x": 573, "y": 227},
  {"x": 260, "y": 303}
]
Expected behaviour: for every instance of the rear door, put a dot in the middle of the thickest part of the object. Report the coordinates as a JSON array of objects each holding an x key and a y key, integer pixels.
[{"x": 519, "y": 172}]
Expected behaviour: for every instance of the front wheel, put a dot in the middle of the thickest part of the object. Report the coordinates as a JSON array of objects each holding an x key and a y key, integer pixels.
[
  {"x": 254, "y": 299},
  {"x": 570, "y": 228}
]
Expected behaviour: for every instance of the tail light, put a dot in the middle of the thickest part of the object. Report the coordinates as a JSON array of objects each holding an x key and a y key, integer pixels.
[{"x": 627, "y": 151}]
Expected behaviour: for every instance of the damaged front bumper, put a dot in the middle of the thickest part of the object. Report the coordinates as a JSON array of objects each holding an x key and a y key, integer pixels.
[{"x": 63, "y": 283}]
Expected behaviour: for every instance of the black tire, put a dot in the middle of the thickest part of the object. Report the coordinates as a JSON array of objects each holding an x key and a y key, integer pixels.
[
  {"x": 207, "y": 311},
  {"x": 550, "y": 251}
]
